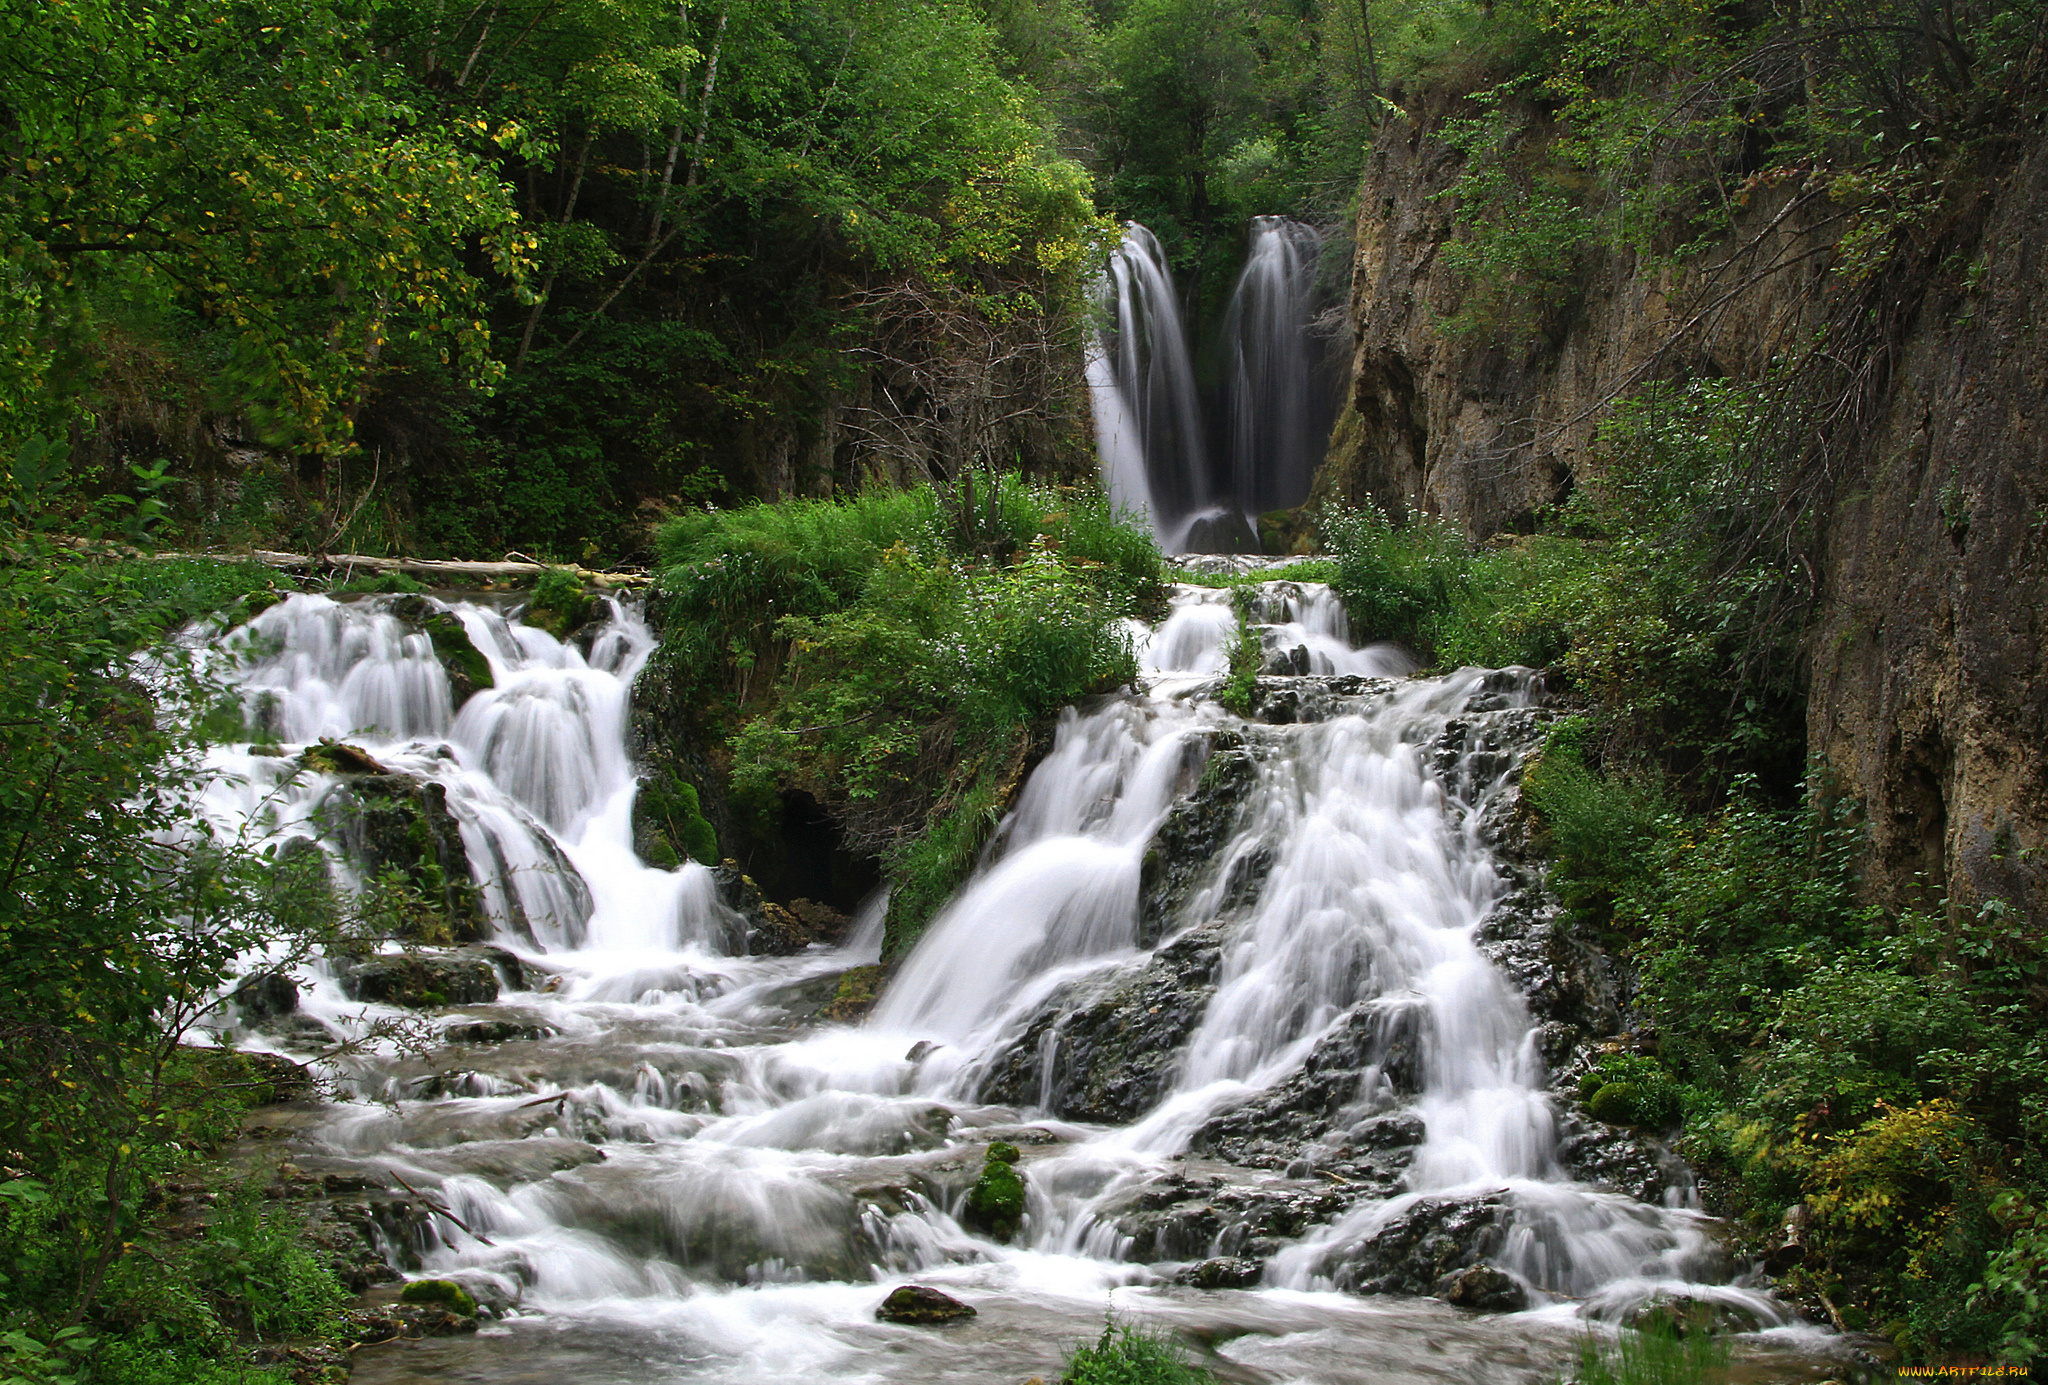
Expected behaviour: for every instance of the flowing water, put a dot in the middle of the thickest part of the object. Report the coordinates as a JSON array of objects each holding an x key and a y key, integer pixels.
[
  {"x": 688, "y": 1177},
  {"x": 1281, "y": 399},
  {"x": 1147, "y": 418},
  {"x": 1277, "y": 398}
]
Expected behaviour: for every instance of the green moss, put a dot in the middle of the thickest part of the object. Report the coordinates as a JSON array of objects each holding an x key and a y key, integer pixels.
[
  {"x": 995, "y": 1205},
  {"x": 559, "y": 604},
  {"x": 671, "y": 824},
  {"x": 445, "y": 1292},
  {"x": 858, "y": 991}
]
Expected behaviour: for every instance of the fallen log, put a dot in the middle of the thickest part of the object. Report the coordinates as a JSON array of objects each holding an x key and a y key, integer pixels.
[{"x": 433, "y": 567}]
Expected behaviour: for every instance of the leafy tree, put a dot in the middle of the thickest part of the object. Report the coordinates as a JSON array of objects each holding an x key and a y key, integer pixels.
[{"x": 255, "y": 161}]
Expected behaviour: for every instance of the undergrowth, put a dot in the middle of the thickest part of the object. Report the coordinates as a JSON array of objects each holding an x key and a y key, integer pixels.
[
  {"x": 887, "y": 656},
  {"x": 1124, "y": 1355}
]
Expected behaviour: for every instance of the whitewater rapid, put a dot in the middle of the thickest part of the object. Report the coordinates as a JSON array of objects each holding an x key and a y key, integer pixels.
[{"x": 687, "y": 1176}]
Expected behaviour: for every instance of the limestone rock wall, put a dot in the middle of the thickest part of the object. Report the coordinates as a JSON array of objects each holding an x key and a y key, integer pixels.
[
  {"x": 1929, "y": 694},
  {"x": 1930, "y": 672},
  {"x": 1486, "y": 430}
]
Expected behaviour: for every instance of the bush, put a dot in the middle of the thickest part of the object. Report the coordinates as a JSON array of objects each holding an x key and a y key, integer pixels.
[
  {"x": 888, "y": 655},
  {"x": 1127, "y": 1356}
]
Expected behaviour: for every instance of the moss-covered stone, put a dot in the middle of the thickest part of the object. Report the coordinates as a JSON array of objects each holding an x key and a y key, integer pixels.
[
  {"x": 669, "y": 825},
  {"x": 919, "y": 1306},
  {"x": 397, "y": 830},
  {"x": 445, "y": 1292},
  {"x": 559, "y": 604},
  {"x": 422, "y": 980},
  {"x": 857, "y": 993},
  {"x": 995, "y": 1205}
]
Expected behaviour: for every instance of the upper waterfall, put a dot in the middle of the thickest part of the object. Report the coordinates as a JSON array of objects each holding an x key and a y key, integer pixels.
[{"x": 1157, "y": 456}]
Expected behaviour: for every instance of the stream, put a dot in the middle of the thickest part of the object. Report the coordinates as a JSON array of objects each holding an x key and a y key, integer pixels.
[{"x": 1247, "y": 993}]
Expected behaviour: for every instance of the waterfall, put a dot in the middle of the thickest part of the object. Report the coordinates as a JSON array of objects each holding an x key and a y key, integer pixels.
[
  {"x": 1148, "y": 416},
  {"x": 1226, "y": 980},
  {"x": 1148, "y": 420},
  {"x": 1280, "y": 403}
]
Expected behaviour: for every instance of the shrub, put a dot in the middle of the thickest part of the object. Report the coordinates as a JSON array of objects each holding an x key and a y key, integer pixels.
[{"x": 1127, "y": 1356}]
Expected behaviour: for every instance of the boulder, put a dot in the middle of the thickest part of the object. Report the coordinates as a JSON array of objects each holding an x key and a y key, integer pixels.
[
  {"x": 494, "y": 1032},
  {"x": 422, "y": 980},
  {"x": 1484, "y": 1289},
  {"x": 995, "y": 1204},
  {"x": 469, "y": 672},
  {"x": 1423, "y": 1247},
  {"x": 918, "y": 1306},
  {"x": 266, "y": 996},
  {"x": 1111, "y": 1041},
  {"x": 1222, "y": 1272},
  {"x": 1681, "y": 1315},
  {"x": 398, "y": 827}
]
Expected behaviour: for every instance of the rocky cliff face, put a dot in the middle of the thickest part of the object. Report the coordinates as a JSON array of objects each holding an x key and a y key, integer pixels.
[
  {"x": 1930, "y": 672},
  {"x": 1930, "y": 684},
  {"x": 1487, "y": 429}
]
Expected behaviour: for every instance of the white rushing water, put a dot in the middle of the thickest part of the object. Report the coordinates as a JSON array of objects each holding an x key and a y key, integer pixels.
[
  {"x": 688, "y": 1178},
  {"x": 1281, "y": 400}
]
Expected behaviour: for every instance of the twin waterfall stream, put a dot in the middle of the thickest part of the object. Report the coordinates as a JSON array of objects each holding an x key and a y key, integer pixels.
[{"x": 1226, "y": 982}]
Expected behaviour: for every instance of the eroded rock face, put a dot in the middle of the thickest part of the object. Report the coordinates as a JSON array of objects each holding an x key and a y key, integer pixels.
[
  {"x": 1422, "y": 1247},
  {"x": 399, "y": 825},
  {"x": 1111, "y": 1043}
]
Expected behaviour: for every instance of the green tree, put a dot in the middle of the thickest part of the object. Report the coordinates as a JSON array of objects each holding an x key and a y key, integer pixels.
[{"x": 253, "y": 161}]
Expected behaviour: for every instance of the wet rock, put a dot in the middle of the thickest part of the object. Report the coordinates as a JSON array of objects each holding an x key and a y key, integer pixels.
[
  {"x": 398, "y": 826},
  {"x": 995, "y": 1205},
  {"x": 669, "y": 826},
  {"x": 278, "y": 1078},
  {"x": 1182, "y": 1217},
  {"x": 445, "y": 1292},
  {"x": 1566, "y": 982},
  {"x": 267, "y": 996},
  {"x": 422, "y": 980},
  {"x": 494, "y": 1032},
  {"x": 1485, "y": 1289},
  {"x": 1182, "y": 854},
  {"x": 1225, "y": 531},
  {"x": 407, "y": 1320},
  {"x": 1104, "y": 1049},
  {"x": 469, "y": 672},
  {"x": 1223, "y": 1272},
  {"x": 918, "y": 1306},
  {"x": 856, "y": 993},
  {"x": 1376, "y": 1053},
  {"x": 507, "y": 1163},
  {"x": 1619, "y": 1160},
  {"x": 1682, "y": 1315},
  {"x": 1422, "y": 1247}
]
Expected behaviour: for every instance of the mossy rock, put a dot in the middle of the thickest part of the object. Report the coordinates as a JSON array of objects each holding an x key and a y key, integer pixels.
[
  {"x": 1646, "y": 1105},
  {"x": 857, "y": 993},
  {"x": 423, "y": 981},
  {"x": 559, "y": 604},
  {"x": 669, "y": 825},
  {"x": 445, "y": 1292},
  {"x": 398, "y": 828},
  {"x": 995, "y": 1205},
  {"x": 918, "y": 1306}
]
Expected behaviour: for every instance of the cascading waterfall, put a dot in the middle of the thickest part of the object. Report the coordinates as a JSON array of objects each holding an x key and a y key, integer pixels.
[
  {"x": 1148, "y": 420},
  {"x": 1280, "y": 401},
  {"x": 688, "y": 1177}
]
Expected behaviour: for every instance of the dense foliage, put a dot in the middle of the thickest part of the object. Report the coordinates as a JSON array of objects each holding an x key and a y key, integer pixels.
[
  {"x": 120, "y": 917},
  {"x": 890, "y": 656},
  {"x": 1126, "y": 1355}
]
